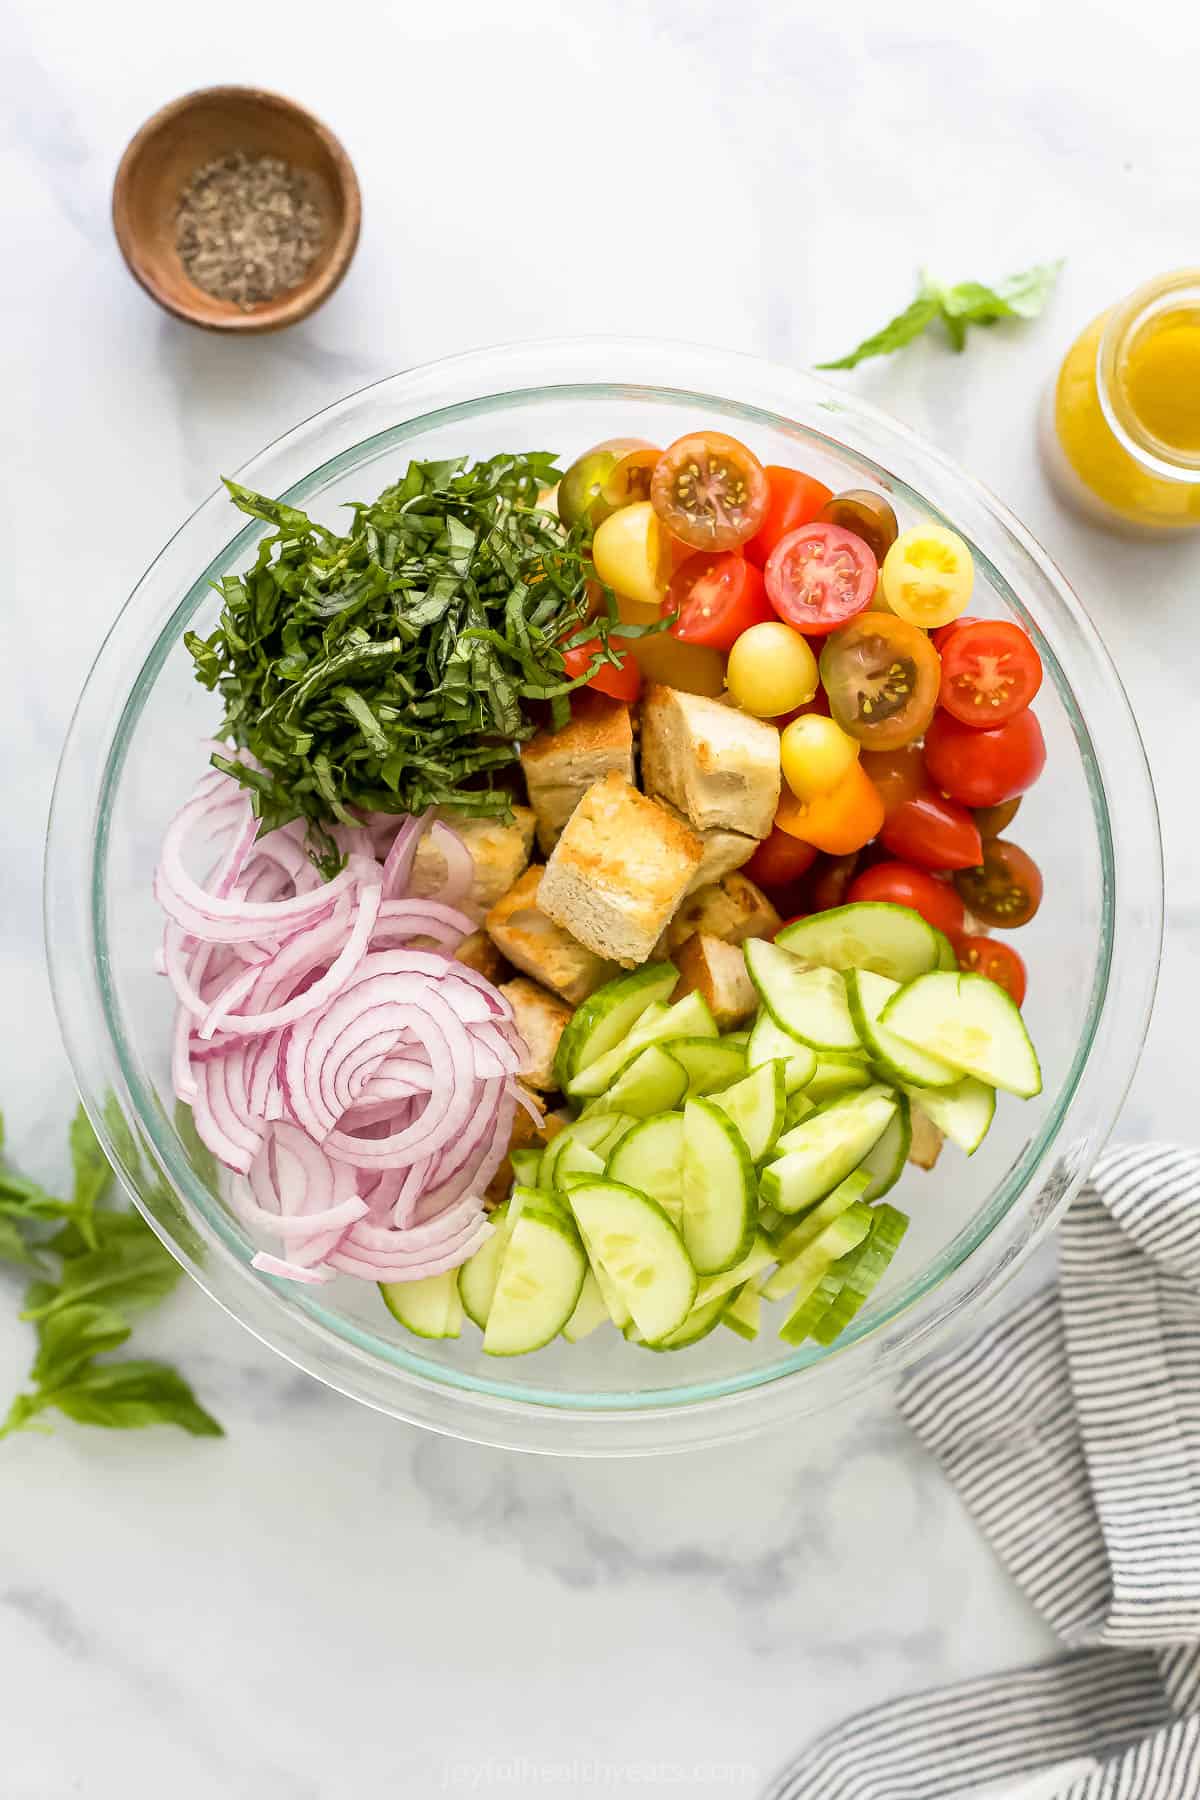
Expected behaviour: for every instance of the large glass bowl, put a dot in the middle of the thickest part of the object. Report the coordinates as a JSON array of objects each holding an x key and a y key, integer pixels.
[{"x": 132, "y": 755}]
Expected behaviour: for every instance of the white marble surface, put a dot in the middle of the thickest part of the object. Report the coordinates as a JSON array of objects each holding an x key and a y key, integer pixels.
[{"x": 325, "y": 1604}]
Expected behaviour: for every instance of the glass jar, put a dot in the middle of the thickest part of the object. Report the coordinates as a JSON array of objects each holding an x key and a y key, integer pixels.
[{"x": 1121, "y": 429}]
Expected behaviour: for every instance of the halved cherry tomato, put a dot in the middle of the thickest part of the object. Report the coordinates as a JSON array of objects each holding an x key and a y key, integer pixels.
[
  {"x": 990, "y": 671},
  {"x": 710, "y": 491},
  {"x": 938, "y": 638},
  {"x": 795, "y": 499},
  {"x": 898, "y": 774},
  {"x": 629, "y": 482},
  {"x": 632, "y": 553},
  {"x": 1000, "y": 963},
  {"x": 933, "y": 832},
  {"x": 840, "y": 821},
  {"x": 717, "y": 595},
  {"x": 779, "y": 860},
  {"x": 927, "y": 575},
  {"x": 581, "y": 488},
  {"x": 881, "y": 675},
  {"x": 868, "y": 515},
  {"x": 993, "y": 821},
  {"x": 623, "y": 683},
  {"x": 820, "y": 576},
  {"x": 1005, "y": 886},
  {"x": 936, "y": 901},
  {"x": 830, "y": 880},
  {"x": 982, "y": 768}
]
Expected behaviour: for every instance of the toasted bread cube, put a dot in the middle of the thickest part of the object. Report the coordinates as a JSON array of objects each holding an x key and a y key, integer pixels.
[
  {"x": 560, "y": 766},
  {"x": 541, "y": 1019},
  {"x": 533, "y": 943},
  {"x": 724, "y": 850},
  {"x": 732, "y": 909},
  {"x": 499, "y": 852},
  {"x": 718, "y": 765},
  {"x": 479, "y": 953},
  {"x": 927, "y": 1140},
  {"x": 717, "y": 972},
  {"x": 619, "y": 871}
]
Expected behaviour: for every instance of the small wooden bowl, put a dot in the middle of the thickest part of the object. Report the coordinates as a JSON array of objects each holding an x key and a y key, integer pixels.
[{"x": 192, "y": 131}]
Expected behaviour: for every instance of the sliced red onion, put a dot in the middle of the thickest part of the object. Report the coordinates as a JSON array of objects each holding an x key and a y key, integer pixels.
[
  {"x": 460, "y": 865},
  {"x": 289, "y": 1271}
]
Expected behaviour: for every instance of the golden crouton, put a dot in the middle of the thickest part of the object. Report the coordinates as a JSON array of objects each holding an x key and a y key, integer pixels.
[
  {"x": 733, "y": 909},
  {"x": 498, "y": 851},
  {"x": 718, "y": 765},
  {"x": 479, "y": 953},
  {"x": 560, "y": 766},
  {"x": 541, "y": 1018},
  {"x": 717, "y": 972},
  {"x": 927, "y": 1140},
  {"x": 532, "y": 942}
]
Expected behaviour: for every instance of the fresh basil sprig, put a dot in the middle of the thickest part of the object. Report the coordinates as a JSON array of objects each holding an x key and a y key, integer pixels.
[
  {"x": 109, "y": 1266},
  {"x": 968, "y": 303}
]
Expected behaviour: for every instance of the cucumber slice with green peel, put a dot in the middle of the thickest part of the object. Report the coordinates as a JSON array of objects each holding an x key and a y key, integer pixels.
[
  {"x": 757, "y": 1105},
  {"x": 600, "y": 1132},
  {"x": 848, "y": 1193},
  {"x": 871, "y": 934},
  {"x": 768, "y": 1042},
  {"x": 650, "y": 1159},
  {"x": 526, "y": 1166},
  {"x": 736, "y": 1037},
  {"x": 711, "y": 1064},
  {"x": 653, "y": 1083},
  {"x": 970, "y": 1023},
  {"x": 839, "y": 1238},
  {"x": 756, "y": 1261},
  {"x": 744, "y": 1313},
  {"x": 862, "y": 1271},
  {"x": 632, "y": 1239},
  {"x": 576, "y": 1164},
  {"x": 800, "y": 1324},
  {"x": 590, "y": 1311},
  {"x": 428, "y": 1308},
  {"x": 824, "y": 1148},
  {"x": 609, "y": 1015},
  {"x": 963, "y": 1113},
  {"x": 699, "y": 1322},
  {"x": 837, "y": 1075},
  {"x": 946, "y": 957},
  {"x": 614, "y": 1306},
  {"x": 798, "y": 1107},
  {"x": 541, "y": 1278},
  {"x": 688, "y": 1018},
  {"x": 478, "y": 1276},
  {"x": 895, "y": 1060},
  {"x": 719, "y": 1189},
  {"x": 885, "y": 1160},
  {"x": 810, "y": 1003}
]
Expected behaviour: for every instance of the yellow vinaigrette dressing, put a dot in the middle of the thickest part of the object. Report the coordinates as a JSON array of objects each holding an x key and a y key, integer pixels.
[{"x": 1122, "y": 432}]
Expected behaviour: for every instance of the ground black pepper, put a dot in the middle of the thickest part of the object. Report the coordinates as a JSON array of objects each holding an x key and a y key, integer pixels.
[{"x": 248, "y": 228}]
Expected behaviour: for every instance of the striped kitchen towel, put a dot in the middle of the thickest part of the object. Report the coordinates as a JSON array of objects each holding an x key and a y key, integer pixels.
[{"x": 1072, "y": 1431}]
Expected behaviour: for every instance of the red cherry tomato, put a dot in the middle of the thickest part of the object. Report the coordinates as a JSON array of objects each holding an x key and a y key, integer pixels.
[
  {"x": 898, "y": 774},
  {"x": 936, "y": 901},
  {"x": 938, "y": 638},
  {"x": 990, "y": 672},
  {"x": 830, "y": 880},
  {"x": 933, "y": 832},
  {"x": 624, "y": 683},
  {"x": 794, "y": 500},
  {"x": 717, "y": 597},
  {"x": 982, "y": 768},
  {"x": 820, "y": 576},
  {"x": 779, "y": 860},
  {"x": 984, "y": 956}
]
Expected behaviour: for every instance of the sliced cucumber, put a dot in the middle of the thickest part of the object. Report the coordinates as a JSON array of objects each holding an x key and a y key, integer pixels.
[
  {"x": 872, "y": 934},
  {"x": 541, "y": 1278},
  {"x": 895, "y": 1060},
  {"x": 478, "y": 1276},
  {"x": 608, "y": 1016},
  {"x": 590, "y": 1311},
  {"x": 719, "y": 1190},
  {"x": 963, "y": 1113},
  {"x": 837, "y": 1240},
  {"x": 885, "y": 1160},
  {"x": 428, "y": 1308},
  {"x": 653, "y": 1083},
  {"x": 798, "y": 1107},
  {"x": 801, "y": 1323},
  {"x": 759, "y": 1258},
  {"x": 712, "y": 1064},
  {"x": 808, "y": 1003},
  {"x": 756, "y": 1105},
  {"x": 971, "y": 1023},
  {"x": 577, "y": 1163},
  {"x": 862, "y": 1271},
  {"x": 835, "y": 1075},
  {"x": 632, "y": 1239},
  {"x": 744, "y": 1312},
  {"x": 699, "y": 1322},
  {"x": 598, "y": 1131},
  {"x": 689, "y": 1017},
  {"x": 844, "y": 1196},
  {"x": 823, "y": 1149},
  {"x": 650, "y": 1159},
  {"x": 526, "y": 1166},
  {"x": 768, "y": 1042},
  {"x": 946, "y": 957}
]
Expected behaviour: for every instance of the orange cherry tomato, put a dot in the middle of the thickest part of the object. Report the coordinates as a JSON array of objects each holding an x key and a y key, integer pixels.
[
  {"x": 709, "y": 491},
  {"x": 622, "y": 683},
  {"x": 795, "y": 500},
  {"x": 902, "y": 885},
  {"x": 1000, "y": 963},
  {"x": 717, "y": 595},
  {"x": 838, "y": 822},
  {"x": 898, "y": 774},
  {"x": 779, "y": 860}
]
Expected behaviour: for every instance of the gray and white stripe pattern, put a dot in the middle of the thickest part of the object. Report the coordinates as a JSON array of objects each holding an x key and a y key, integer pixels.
[{"x": 1072, "y": 1431}]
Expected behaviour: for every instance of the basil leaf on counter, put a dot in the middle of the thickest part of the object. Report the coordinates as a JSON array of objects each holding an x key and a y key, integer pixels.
[
  {"x": 124, "y": 1396},
  {"x": 968, "y": 303}
]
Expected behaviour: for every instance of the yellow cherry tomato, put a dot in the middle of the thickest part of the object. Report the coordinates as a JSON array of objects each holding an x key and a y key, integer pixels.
[
  {"x": 816, "y": 754},
  {"x": 632, "y": 555},
  {"x": 771, "y": 669},
  {"x": 927, "y": 576}
]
